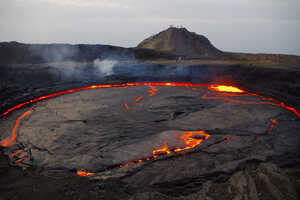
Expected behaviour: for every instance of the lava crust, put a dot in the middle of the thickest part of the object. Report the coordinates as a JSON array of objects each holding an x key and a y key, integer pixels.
[{"x": 188, "y": 130}]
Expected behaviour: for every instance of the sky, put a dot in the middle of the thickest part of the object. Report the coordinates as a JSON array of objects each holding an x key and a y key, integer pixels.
[{"x": 255, "y": 26}]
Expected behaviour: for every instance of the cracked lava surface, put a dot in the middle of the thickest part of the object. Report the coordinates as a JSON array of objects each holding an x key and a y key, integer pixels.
[{"x": 100, "y": 128}]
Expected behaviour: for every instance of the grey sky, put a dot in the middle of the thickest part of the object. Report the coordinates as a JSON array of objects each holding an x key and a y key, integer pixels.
[{"x": 271, "y": 26}]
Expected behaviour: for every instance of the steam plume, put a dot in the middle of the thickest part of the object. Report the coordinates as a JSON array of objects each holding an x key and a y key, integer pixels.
[{"x": 105, "y": 66}]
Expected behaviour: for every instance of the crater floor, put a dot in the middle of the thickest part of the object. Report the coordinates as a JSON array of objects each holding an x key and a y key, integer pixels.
[{"x": 116, "y": 131}]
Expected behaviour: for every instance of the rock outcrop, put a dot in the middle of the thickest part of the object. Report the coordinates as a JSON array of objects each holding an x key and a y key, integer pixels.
[{"x": 267, "y": 182}]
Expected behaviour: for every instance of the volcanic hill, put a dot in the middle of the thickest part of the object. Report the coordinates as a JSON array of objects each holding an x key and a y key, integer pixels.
[{"x": 182, "y": 43}]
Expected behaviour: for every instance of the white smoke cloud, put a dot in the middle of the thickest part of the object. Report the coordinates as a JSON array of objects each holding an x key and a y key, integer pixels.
[{"x": 105, "y": 66}]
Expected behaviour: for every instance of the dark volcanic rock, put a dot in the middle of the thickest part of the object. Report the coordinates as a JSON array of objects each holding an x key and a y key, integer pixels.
[{"x": 267, "y": 182}]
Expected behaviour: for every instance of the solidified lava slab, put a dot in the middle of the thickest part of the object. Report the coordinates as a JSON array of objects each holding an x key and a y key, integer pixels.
[{"x": 95, "y": 129}]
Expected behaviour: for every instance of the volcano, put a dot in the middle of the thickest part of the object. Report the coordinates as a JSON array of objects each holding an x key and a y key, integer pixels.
[{"x": 182, "y": 43}]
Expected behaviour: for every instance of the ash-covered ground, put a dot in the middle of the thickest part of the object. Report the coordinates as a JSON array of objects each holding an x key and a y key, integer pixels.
[{"x": 248, "y": 156}]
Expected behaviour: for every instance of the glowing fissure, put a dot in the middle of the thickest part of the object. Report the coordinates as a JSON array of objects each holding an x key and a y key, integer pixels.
[
  {"x": 191, "y": 139},
  {"x": 222, "y": 96},
  {"x": 152, "y": 92},
  {"x": 273, "y": 123},
  {"x": 192, "y": 142},
  {"x": 16, "y": 153},
  {"x": 83, "y": 173},
  {"x": 21, "y": 159},
  {"x": 11, "y": 140}
]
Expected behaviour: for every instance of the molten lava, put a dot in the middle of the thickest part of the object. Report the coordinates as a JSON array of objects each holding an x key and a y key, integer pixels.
[
  {"x": 83, "y": 173},
  {"x": 270, "y": 101},
  {"x": 163, "y": 150},
  {"x": 16, "y": 153},
  {"x": 225, "y": 88},
  {"x": 10, "y": 141},
  {"x": 273, "y": 123},
  {"x": 191, "y": 139},
  {"x": 152, "y": 92},
  {"x": 21, "y": 159}
]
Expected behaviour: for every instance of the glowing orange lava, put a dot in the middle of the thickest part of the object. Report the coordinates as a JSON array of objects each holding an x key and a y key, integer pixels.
[
  {"x": 16, "y": 153},
  {"x": 21, "y": 159},
  {"x": 83, "y": 173},
  {"x": 228, "y": 138},
  {"x": 152, "y": 92},
  {"x": 226, "y": 88},
  {"x": 270, "y": 101},
  {"x": 273, "y": 123},
  {"x": 164, "y": 150},
  {"x": 191, "y": 140},
  {"x": 11, "y": 140}
]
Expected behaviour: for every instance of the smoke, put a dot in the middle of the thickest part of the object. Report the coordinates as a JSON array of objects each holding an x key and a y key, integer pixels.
[
  {"x": 47, "y": 53},
  {"x": 105, "y": 67},
  {"x": 91, "y": 64}
]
